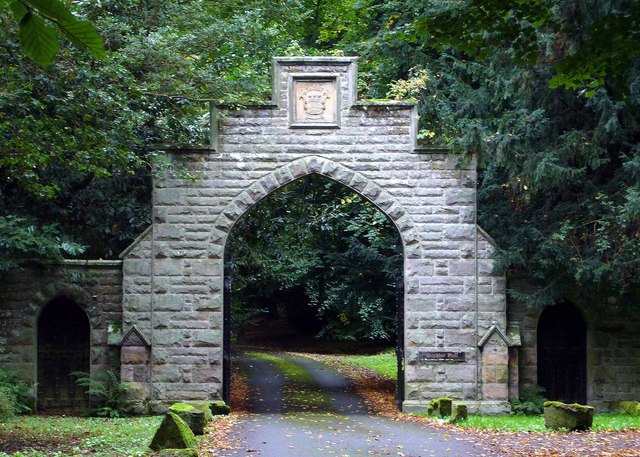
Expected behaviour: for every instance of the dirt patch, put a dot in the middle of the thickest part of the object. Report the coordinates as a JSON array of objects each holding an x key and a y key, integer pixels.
[
  {"x": 218, "y": 435},
  {"x": 20, "y": 441},
  {"x": 240, "y": 391},
  {"x": 577, "y": 444}
]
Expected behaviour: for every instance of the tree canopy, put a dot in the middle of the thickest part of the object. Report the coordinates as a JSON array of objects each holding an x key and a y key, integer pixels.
[
  {"x": 334, "y": 248},
  {"x": 546, "y": 92}
]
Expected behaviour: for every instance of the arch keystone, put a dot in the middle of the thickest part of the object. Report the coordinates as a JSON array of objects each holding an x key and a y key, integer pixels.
[
  {"x": 330, "y": 169},
  {"x": 314, "y": 164}
]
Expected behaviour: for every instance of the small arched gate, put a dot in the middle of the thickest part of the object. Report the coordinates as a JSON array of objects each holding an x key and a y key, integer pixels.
[{"x": 64, "y": 335}]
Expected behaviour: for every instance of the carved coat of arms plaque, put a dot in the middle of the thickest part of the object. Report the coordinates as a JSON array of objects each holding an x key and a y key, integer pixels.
[{"x": 314, "y": 102}]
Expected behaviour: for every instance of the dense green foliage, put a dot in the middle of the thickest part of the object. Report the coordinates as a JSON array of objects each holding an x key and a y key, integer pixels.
[
  {"x": 559, "y": 185},
  {"x": 14, "y": 395},
  {"x": 321, "y": 255},
  {"x": 546, "y": 92},
  {"x": 588, "y": 44},
  {"x": 530, "y": 402},
  {"x": 105, "y": 391},
  {"x": 75, "y": 159}
]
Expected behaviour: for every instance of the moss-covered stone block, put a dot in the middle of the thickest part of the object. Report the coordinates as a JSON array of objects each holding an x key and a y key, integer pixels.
[
  {"x": 460, "y": 413},
  {"x": 626, "y": 407},
  {"x": 573, "y": 417},
  {"x": 219, "y": 408},
  {"x": 203, "y": 406},
  {"x": 440, "y": 407},
  {"x": 194, "y": 417},
  {"x": 173, "y": 433}
]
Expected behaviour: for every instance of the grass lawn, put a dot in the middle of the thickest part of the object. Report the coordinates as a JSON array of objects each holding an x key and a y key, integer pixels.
[
  {"x": 384, "y": 363},
  {"x": 292, "y": 371},
  {"x": 601, "y": 422},
  {"x": 39, "y": 436}
]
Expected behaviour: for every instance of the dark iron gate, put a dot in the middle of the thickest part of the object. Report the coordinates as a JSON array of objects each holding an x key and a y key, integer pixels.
[
  {"x": 562, "y": 353},
  {"x": 63, "y": 347},
  {"x": 226, "y": 339},
  {"x": 400, "y": 339}
]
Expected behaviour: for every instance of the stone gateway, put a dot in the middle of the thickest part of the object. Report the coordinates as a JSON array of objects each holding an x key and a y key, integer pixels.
[{"x": 158, "y": 315}]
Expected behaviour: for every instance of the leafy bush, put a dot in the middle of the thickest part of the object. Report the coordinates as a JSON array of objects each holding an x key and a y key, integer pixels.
[
  {"x": 328, "y": 256},
  {"x": 6, "y": 404},
  {"x": 531, "y": 401},
  {"x": 14, "y": 394},
  {"x": 106, "y": 392}
]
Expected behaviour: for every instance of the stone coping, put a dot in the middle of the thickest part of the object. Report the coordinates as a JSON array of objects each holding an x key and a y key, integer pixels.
[
  {"x": 75, "y": 262},
  {"x": 206, "y": 149},
  {"x": 314, "y": 60},
  {"x": 135, "y": 242},
  {"x": 484, "y": 407}
]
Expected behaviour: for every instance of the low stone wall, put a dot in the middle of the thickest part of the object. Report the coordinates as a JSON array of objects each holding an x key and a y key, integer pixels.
[{"x": 613, "y": 349}]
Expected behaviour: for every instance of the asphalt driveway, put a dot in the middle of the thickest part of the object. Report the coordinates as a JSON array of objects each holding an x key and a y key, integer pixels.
[{"x": 302, "y": 408}]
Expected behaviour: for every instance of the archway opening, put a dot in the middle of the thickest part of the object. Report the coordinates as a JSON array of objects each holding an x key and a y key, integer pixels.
[
  {"x": 63, "y": 347},
  {"x": 315, "y": 267},
  {"x": 562, "y": 353}
]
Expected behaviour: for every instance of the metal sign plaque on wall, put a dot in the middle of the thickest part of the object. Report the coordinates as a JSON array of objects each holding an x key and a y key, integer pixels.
[{"x": 440, "y": 356}]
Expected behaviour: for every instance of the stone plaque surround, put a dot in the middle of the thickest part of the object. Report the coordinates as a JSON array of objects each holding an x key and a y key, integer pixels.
[{"x": 173, "y": 275}]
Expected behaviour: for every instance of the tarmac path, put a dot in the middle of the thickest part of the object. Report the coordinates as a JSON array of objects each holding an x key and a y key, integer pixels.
[{"x": 302, "y": 408}]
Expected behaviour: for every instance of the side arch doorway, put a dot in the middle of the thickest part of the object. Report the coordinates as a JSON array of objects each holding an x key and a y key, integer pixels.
[
  {"x": 562, "y": 353},
  {"x": 64, "y": 335}
]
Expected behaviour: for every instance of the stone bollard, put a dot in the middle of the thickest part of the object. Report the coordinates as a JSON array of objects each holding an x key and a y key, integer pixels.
[
  {"x": 178, "y": 453},
  {"x": 626, "y": 407},
  {"x": 440, "y": 407},
  {"x": 196, "y": 418},
  {"x": 219, "y": 408},
  {"x": 459, "y": 414},
  {"x": 558, "y": 415},
  {"x": 173, "y": 433}
]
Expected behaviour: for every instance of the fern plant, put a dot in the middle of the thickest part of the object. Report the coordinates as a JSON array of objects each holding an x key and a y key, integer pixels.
[
  {"x": 15, "y": 396},
  {"x": 105, "y": 390},
  {"x": 531, "y": 401}
]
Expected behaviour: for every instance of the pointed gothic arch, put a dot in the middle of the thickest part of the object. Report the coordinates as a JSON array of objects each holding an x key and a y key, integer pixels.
[
  {"x": 340, "y": 174},
  {"x": 562, "y": 353},
  {"x": 176, "y": 271},
  {"x": 297, "y": 169}
]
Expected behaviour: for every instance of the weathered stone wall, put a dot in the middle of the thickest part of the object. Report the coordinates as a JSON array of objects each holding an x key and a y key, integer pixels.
[
  {"x": 613, "y": 349},
  {"x": 96, "y": 286},
  {"x": 451, "y": 298}
]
